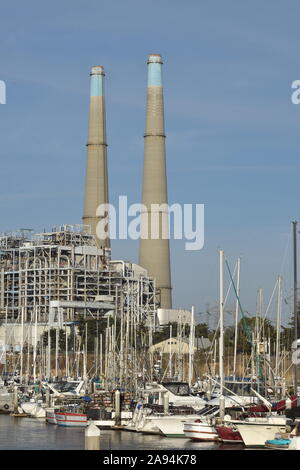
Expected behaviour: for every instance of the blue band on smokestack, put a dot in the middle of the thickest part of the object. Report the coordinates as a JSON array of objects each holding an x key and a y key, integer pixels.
[
  {"x": 97, "y": 81},
  {"x": 155, "y": 70}
]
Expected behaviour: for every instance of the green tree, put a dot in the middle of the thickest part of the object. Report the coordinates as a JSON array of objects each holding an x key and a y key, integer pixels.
[{"x": 61, "y": 339}]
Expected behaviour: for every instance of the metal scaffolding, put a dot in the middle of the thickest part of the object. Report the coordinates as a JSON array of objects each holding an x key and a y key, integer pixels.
[{"x": 66, "y": 265}]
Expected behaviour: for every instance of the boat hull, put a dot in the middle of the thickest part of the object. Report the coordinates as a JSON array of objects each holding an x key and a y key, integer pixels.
[
  {"x": 33, "y": 409},
  {"x": 200, "y": 432},
  {"x": 50, "y": 417},
  {"x": 229, "y": 435},
  {"x": 71, "y": 420},
  {"x": 256, "y": 435},
  {"x": 173, "y": 426}
]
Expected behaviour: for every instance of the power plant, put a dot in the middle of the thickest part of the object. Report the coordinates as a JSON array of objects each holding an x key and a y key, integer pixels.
[{"x": 55, "y": 278}]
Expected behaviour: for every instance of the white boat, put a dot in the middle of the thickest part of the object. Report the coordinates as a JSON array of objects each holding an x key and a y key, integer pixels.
[
  {"x": 150, "y": 421},
  {"x": 50, "y": 415},
  {"x": 256, "y": 431},
  {"x": 232, "y": 401},
  {"x": 33, "y": 408},
  {"x": 147, "y": 425},
  {"x": 66, "y": 388},
  {"x": 67, "y": 419},
  {"x": 168, "y": 425},
  {"x": 6, "y": 400},
  {"x": 173, "y": 426},
  {"x": 200, "y": 431},
  {"x": 108, "y": 423},
  {"x": 203, "y": 427},
  {"x": 165, "y": 425},
  {"x": 178, "y": 394},
  {"x": 147, "y": 421},
  {"x": 138, "y": 416}
]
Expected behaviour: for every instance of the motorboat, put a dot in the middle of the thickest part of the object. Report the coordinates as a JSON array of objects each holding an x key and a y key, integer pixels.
[
  {"x": 177, "y": 393},
  {"x": 67, "y": 388},
  {"x": 229, "y": 434},
  {"x": 150, "y": 416},
  {"x": 255, "y": 431},
  {"x": 34, "y": 407},
  {"x": 203, "y": 428},
  {"x": 68, "y": 419},
  {"x": 105, "y": 419},
  {"x": 70, "y": 415}
]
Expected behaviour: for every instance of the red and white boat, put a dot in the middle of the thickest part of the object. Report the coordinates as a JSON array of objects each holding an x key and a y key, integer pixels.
[
  {"x": 71, "y": 419},
  {"x": 203, "y": 428},
  {"x": 200, "y": 431},
  {"x": 229, "y": 435}
]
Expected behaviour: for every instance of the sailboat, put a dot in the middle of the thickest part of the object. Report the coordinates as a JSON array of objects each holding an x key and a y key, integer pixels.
[
  {"x": 171, "y": 405},
  {"x": 204, "y": 429}
]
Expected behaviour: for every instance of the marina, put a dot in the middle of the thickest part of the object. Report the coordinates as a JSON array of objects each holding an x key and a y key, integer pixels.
[
  {"x": 33, "y": 434},
  {"x": 123, "y": 326}
]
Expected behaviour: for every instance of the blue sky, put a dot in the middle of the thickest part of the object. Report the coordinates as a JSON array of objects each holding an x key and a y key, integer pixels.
[{"x": 232, "y": 131}]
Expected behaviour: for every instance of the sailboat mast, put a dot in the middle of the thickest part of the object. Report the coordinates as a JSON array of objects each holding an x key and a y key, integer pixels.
[
  {"x": 49, "y": 354},
  {"x": 22, "y": 344},
  {"x": 35, "y": 345},
  {"x": 66, "y": 351},
  {"x": 191, "y": 347},
  {"x": 170, "y": 353},
  {"x": 56, "y": 352},
  {"x": 236, "y": 316},
  {"x": 221, "y": 350},
  {"x": 278, "y": 326},
  {"x": 295, "y": 299}
]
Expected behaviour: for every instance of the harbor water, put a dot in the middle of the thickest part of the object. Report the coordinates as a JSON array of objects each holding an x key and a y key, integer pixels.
[{"x": 36, "y": 434}]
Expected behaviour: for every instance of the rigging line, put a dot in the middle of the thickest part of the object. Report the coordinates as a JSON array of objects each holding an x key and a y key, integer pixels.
[
  {"x": 249, "y": 338},
  {"x": 231, "y": 283},
  {"x": 214, "y": 337},
  {"x": 288, "y": 244},
  {"x": 207, "y": 362},
  {"x": 218, "y": 325},
  {"x": 266, "y": 312}
]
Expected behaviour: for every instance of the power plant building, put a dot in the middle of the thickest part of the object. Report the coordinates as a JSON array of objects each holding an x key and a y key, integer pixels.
[
  {"x": 57, "y": 276},
  {"x": 66, "y": 265},
  {"x": 68, "y": 272}
]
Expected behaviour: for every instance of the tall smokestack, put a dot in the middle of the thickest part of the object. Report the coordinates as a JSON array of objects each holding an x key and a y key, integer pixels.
[
  {"x": 155, "y": 252},
  {"x": 96, "y": 180}
]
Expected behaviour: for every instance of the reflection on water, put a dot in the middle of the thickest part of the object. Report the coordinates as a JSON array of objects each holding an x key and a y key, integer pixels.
[{"x": 36, "y": 434}]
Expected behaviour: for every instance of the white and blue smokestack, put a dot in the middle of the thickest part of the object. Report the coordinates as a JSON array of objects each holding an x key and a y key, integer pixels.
[
  {"x": 97, "y": 81},
  {"x": 155, "y": 70},
  {"x": 96, "y": 181},
  {"x": 155, "y": 252}
]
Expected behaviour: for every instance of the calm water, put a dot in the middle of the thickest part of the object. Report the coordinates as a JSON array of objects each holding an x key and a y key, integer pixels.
[{"x": 36, "y": 434}]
